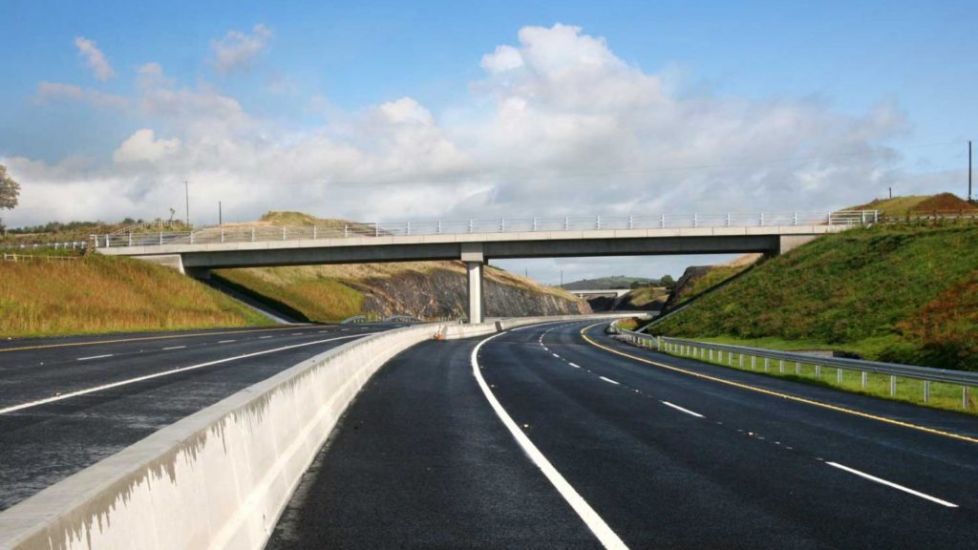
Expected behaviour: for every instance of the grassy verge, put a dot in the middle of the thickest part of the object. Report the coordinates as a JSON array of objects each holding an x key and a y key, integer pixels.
[
  {"x": 97, "y": 294},
  {"x": 908, "y": 390}
]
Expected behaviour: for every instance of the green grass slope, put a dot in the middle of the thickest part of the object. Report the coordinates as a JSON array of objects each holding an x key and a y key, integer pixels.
[
  {"x": 94, "y": 294},
  {"x": 892, "y": 293}
]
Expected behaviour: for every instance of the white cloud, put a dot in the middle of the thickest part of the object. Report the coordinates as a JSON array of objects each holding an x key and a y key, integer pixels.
[
  {"x": 237, "y": 49},
  {"x": 143, "y": 146},
  {"x": 558, "y": 126},
  {"x": 94, "y": 58},
  {"x": 57, "y": 91}
]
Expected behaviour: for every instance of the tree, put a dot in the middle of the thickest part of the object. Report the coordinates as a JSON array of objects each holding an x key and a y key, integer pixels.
[
  {"x": 9, "y": 191},
  {"x": 668, "y": 282}
]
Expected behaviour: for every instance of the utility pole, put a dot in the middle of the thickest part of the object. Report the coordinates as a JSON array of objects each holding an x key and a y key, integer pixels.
[
  {"x": 220, "y": 214},
  {"x": 891, "y": 192},
  {"x": 969, "y": 170},
  {"x": 186, "y": 189},
  {"x": 561, "y": 278}
]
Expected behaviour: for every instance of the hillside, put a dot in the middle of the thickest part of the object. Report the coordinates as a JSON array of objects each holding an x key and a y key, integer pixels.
[
  {"x": 893, "y": 293},
  {"x": 916, "y": 205},
  {"x": 698, "y": 279},
  {"x": 75, "y": 295},
  {"x": 426, "y": 290}
]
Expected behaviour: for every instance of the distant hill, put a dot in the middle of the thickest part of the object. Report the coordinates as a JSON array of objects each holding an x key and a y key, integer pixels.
[
  {"x": 616, "y": 281},
  {"x": 910, "y": 205}
]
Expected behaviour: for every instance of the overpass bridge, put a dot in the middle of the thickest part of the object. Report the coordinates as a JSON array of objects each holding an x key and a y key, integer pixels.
[
  {"x": 475, "y": 242},
  {"x": 599, "y": 292}
]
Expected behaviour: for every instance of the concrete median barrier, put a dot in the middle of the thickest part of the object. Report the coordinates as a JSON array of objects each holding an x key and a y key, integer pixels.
[{"x": 220, "y": 477}]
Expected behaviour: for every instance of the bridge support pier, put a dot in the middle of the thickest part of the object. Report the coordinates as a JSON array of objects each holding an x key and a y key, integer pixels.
[{"x": 474, "y": 260}]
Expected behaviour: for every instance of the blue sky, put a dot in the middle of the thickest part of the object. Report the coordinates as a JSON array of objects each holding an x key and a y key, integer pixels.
[{"x": 880, "y": 93}]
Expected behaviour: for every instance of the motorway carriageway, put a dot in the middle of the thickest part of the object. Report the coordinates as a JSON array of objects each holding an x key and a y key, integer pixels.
[
  {"x": 543, "y": 436},
  {"x": 66, "y": 403}
]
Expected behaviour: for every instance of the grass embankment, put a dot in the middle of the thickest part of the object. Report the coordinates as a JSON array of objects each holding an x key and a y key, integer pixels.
[
  {"x": 92, "y": 294},
  {"x": 905, "y": 294}
]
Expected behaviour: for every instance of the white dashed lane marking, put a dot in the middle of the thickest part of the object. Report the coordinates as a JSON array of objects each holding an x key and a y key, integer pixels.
[
  {"x": 610, "y": 381},
  {"x": 94, "y": 357},
  {"x": 681, "y": 409}
]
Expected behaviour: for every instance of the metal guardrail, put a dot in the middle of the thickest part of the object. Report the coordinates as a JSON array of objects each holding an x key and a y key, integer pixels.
[
  {"x": 264, "y": 233},
  {"x": 739, "y": 355}
]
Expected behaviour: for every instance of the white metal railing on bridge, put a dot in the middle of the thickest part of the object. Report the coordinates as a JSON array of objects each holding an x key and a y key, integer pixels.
[{"x": 263, "y": 233}]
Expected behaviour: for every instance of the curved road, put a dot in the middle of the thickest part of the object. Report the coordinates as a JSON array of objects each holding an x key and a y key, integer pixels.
[
  {"x": 66, "y": 403},
  {"x": 614, "y": 448}
]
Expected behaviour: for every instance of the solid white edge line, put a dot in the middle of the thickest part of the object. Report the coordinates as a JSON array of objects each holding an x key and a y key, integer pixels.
[
  {"x": 588, "y": 515},
  {"x": 94, "y": 357},
  {"x": 610, "y": 381},
  {"x": 891, "y": 484},
  {"x": 681, "y": 409},
  {"x": 62, "y": 397}
]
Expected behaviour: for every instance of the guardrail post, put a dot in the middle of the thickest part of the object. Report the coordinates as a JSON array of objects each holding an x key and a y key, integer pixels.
[
  {"x": 863, "y": 379},
  {"x": 797, "y": 367},
  {"x": 794, "y": 219},
  {"x": 407, "y": 228},
  {"x": 252, "y": 234},
  {"x": 470, "y": 225},
  {"x": 315, "y": 232},
  {"x": 534, "y": 223},
  {"x": 597, "y": 222},
  {"x": 662, "y": 221},
  {"x": 191, "y": 237},
  {"x": 107, "y": 245},
  {"x": 130, "y": 238},
  {"x": 728, "y": 219},
  {"x": 838, "y": 375},
  {"x": 781, "y": 365},
  {"x": 376, "y": 230},
  {"x": 964, "y": 397},
  {"x": 696, "y": 220},
  {"x": 741, "y": 360},
  {"x": 285, "y": 233},
  {"x": 926, "y": 391},
  {"x": 346, "y": 230},
  {"x": 767, "y": 364},
  {"x": 876, "y": 216},
  {"x": 502, "y": 225},
  {"x": 762, "y": 219},
  {"x": 818, "y": 371},
  {"x": 222, "y": 234},
  {"x": 892, "y": 385},
  {"x": 161, "y": 238},
  {"x": 753, "y": 362},
  {"x": 438, "y": 227},
  {"x": 658, "y": 343}
]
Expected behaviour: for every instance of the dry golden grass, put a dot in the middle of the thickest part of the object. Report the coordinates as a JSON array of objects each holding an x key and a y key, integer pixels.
[{"x": 102, "y": 294}]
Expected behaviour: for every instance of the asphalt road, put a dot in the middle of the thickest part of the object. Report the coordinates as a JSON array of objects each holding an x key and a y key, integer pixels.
[
  {"x": 66, "y": 403},
  {"x": 641, "y": 455}
]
